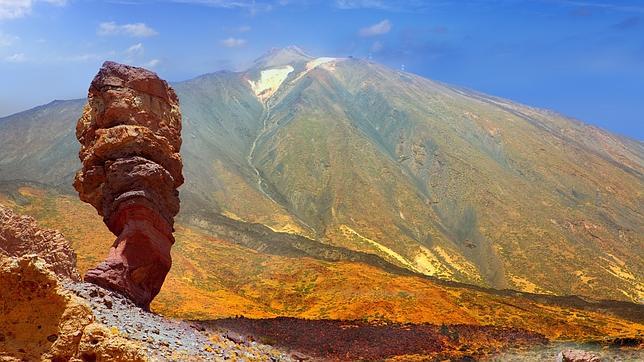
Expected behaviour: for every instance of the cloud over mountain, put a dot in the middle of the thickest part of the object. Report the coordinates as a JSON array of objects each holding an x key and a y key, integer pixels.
[
  {"x": 380, "y": 28},
  {"x": 137, "y": 30}
]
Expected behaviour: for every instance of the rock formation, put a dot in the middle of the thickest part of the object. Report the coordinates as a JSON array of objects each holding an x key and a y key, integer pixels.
[
  {"x": 46, "y": 314},
  {"x": 41, "y": 320},
  {"x": 575, "y": 355},
  {"x": 20, "y": 236},
  {"x": 130, "y": 135}
]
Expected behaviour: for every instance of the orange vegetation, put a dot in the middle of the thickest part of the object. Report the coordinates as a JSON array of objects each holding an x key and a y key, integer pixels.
[{"x": 213, "y": 278}]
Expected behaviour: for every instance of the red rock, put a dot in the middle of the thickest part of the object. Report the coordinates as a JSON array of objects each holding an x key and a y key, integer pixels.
[{"x": 130, "y": 135}]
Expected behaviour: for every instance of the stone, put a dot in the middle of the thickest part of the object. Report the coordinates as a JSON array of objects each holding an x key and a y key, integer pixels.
[
  {"x": 130, "y": 136},
  {"x": 575, "y": 355},
  {"x": 20, "y": 235},
  {"x": 98, "y": 343},
  {"x": 41, "y": 320}
]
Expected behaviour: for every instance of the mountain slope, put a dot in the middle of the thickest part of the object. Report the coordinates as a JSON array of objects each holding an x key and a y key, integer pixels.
[
  {"x": 453, "y": 184},
  {"x": 435, "y": 179},
  {"x": 40, "y": 144},
  {"x": 212, "y": 278}
]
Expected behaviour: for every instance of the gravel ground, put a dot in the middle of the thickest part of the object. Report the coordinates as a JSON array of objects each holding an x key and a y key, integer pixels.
[
  {"x": 167, "y": 339},
  {"x": 550, "y": 351},
  {"x": 177, "y": 340}
]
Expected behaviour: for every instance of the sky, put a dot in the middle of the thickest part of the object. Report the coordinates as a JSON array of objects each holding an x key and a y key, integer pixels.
[{"x": 583, "y": 58}]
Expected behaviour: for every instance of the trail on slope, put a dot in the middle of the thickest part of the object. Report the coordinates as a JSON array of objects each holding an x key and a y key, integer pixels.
[{"x": 266, "y": 115}]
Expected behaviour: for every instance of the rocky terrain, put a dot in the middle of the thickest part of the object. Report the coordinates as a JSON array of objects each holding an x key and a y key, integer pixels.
[
  {"x": 571, "y": 352},
  {"x": 46, "y": 313},
  {"x": 20, "y": 235},
  {"x": 373, "y": 341},
  {"x": 41, "y": 320}
]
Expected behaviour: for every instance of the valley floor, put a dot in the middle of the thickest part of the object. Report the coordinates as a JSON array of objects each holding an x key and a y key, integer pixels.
[{"x": 335, "y": 340}]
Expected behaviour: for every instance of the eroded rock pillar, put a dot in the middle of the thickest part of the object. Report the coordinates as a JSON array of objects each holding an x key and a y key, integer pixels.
[{"x": 130, "y": 135}]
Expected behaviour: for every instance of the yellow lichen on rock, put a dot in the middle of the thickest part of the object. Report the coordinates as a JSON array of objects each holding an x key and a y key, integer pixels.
[
  {"x": 100, "y": 344},
  {"x": 40, "y": 320}
]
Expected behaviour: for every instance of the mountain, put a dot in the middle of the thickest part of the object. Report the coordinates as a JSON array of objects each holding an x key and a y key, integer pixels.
[
  {"x": 215, "y": 278},
  {"x": 341, "y": 159}
]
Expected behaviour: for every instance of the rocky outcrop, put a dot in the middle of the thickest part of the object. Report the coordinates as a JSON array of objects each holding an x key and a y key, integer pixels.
[
  {"x": 20, "y": 236},
  {"x": 130, "y": 135},
  {"x": 575, "y": 355},
  {"x": 41, "y": 320},
  {"x": 49, "y": 316}
]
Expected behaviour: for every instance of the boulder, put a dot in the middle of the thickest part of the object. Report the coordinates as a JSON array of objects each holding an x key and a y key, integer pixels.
[{"x": 576, "y": 355}]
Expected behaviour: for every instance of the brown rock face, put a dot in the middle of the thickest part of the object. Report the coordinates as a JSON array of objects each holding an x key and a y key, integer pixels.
[
  {"x": 130, "y": 135},
  {"x": 20, "y": 236}
]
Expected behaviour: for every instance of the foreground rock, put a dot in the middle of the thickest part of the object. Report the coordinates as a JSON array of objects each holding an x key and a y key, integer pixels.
[
  {"x": 44, "y": 318},
  {"x": 20, "y": 236},
  {"x": 575, "y": 355},
  {"x": 130, "y": 135},
  {"x": 46, "y": 314},
  {"x": 41, "y": 320}
]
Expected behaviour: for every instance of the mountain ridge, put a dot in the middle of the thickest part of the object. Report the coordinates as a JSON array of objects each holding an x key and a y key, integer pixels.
[{"x": 427, "y": 176}]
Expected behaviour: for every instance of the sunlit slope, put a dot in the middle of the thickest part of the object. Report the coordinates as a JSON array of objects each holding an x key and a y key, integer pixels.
[
  {"x": 455, "y": 184},
  {"x": 431, "y": 178},
  {"x": 213, "y": 278}
]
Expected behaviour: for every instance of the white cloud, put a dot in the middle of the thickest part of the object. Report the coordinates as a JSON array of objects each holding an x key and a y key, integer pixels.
[
  {"x": 380, "y": 28},
  {"x": 135, "y": 50},
  {"x": 152, "y": 63},
  {"x": 360, "y": 4},
  {"x": 11, "y": 9},
  {"x": 16, "y": 58},
  {"x": 233, "y": 42},
  {"x": 252, "y": 6},
  {"x": 7, "y": 39},
  {"x": 135, "y": 55},
  {"x": 137, "y": 30},
  {"x": 393, "y": 5}
]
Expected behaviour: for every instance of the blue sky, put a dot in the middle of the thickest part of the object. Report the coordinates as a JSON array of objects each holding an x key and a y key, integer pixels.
[{"x": 584, "y": 58}]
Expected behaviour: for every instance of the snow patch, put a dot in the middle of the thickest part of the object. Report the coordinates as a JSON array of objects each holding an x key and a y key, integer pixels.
[
  {"x": 318, "y": 61},
  {"x": 269, "y": 81},
  {"x": 328, "y": 63}
]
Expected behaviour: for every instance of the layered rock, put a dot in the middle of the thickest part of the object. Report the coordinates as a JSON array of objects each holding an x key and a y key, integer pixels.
[
  {"x": 20, "y": 236},
  {"x": 130, "y": 135}
]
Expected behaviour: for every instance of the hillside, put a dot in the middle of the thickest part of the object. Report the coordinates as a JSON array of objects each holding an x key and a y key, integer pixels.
[
  {"x": 48, "y": 314},
  {"x": 213, "y": 278},
  {"x": 363, "y": 163}
]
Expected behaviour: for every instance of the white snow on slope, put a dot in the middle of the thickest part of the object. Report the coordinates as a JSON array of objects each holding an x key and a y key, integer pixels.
[
  {"x": 269, "y": 81},
  {"x": 318, "y": 61}
]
